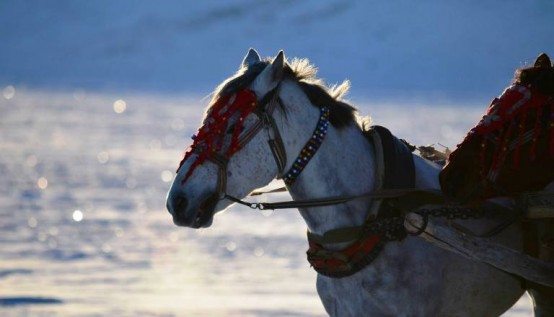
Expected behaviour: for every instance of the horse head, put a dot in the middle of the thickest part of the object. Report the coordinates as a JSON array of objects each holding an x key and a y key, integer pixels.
[{"x": 230, "y": 154}]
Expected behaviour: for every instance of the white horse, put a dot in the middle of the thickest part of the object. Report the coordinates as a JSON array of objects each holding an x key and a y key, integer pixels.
[{"x": 231, "y": 157}]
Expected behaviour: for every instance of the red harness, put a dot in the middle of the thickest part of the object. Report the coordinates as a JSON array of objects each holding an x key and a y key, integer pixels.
[
  {"x": 508, "y": 152},
  {"x": 346, "y": 261},
  {"x": 209, "y": 139},
  {"x": 513, "y": 107}
]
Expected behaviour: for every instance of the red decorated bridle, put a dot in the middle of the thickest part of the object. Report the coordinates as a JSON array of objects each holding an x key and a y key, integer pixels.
[{"x": 209, "y": 145}]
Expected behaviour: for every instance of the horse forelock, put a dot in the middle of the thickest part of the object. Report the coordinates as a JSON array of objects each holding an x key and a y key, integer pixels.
[{"x": 305, "y": 74}]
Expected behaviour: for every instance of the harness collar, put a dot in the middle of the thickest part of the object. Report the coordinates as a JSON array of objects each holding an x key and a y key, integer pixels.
[{"x": 395, "y": 170}]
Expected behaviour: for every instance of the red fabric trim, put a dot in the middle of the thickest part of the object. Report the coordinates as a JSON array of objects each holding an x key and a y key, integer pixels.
[
  {"x": 505, "y": 112},
  {"x": 209, "y": 138},
  {"x": 342, "y": 260}
]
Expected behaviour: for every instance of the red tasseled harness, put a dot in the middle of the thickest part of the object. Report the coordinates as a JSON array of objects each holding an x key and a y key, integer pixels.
[
  {"x": 209, "y": 139},
  {"x": 510, "y": 151},
  {"x": 512, "y": 109},
  {"x": 347, "y": 261}
]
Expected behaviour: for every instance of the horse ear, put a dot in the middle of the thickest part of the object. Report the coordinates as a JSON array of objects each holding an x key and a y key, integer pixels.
[
  {"x": 276, "y": 69},
  {"x": 251, "y": 58},
  {"x": 278, "y": 66},
  {"x": 272, "y": 75},
  {"x": 543, "y": 61}
]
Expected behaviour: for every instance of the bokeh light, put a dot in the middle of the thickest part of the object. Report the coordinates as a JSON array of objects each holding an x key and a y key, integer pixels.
[
  {"x": 9, "y": 92},
  {"x": 103, "y": 157},
  {"x": 77, "y": 215},
  {"x": 231, "y": 246},
  {"x": 167, "y": 176},
  {"x": 119, "y": 106},
  {"x": 42, "y": 183}
]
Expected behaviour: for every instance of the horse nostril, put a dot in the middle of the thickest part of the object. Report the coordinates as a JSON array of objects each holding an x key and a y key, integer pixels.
[
  {"x": 177, "y": 205},
  {"x": 180, "y": 204}
]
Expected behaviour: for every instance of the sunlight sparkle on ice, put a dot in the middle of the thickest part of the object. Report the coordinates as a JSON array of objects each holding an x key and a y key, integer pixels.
[
  {"x": 9, "y": 92},
  {"x": 119, "y": 106},
  {"x": 103, "y": 157},
  {"x": 167, "y": 176},
  {"x": 77, "y": 215},
  {"x": 42, "y": 183},
  {"x": 230, "y": 246}
]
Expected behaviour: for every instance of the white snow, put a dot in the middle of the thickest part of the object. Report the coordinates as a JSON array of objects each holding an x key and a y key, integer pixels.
[{"x": 98, "y": 101}]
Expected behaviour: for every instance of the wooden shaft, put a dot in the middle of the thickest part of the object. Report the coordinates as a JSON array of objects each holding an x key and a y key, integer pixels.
[{"x": 480, "y": 249}]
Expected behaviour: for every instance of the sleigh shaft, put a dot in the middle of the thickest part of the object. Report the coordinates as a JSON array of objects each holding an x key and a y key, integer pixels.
[{"x": 481, "y": 249}]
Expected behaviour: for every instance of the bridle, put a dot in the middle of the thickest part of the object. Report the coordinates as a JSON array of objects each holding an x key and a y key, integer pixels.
[{"x": 264, "y": 109}]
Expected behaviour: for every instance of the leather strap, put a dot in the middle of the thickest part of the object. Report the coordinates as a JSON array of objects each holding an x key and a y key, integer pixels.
[{"x": 320, "y": 202}]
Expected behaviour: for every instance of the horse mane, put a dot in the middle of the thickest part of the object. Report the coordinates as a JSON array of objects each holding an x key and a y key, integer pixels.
[
  {"x": 300, "y": 70},
  {"x": 540, "y": 76}
]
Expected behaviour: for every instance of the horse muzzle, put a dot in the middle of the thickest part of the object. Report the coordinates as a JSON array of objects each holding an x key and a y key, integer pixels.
[{"x": 186, "y": 214}]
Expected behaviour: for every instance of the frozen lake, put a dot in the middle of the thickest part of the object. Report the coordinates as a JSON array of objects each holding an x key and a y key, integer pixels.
[
  {"x": 83, "y": 226},
  {"x": 84, "y": 231}
]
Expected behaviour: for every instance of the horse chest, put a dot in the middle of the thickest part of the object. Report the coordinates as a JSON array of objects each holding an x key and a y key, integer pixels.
[{"x": 386, "y": 287}]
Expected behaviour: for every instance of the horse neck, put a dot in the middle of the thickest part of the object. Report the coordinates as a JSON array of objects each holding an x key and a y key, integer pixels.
[{"x": 343, "y": 165}]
